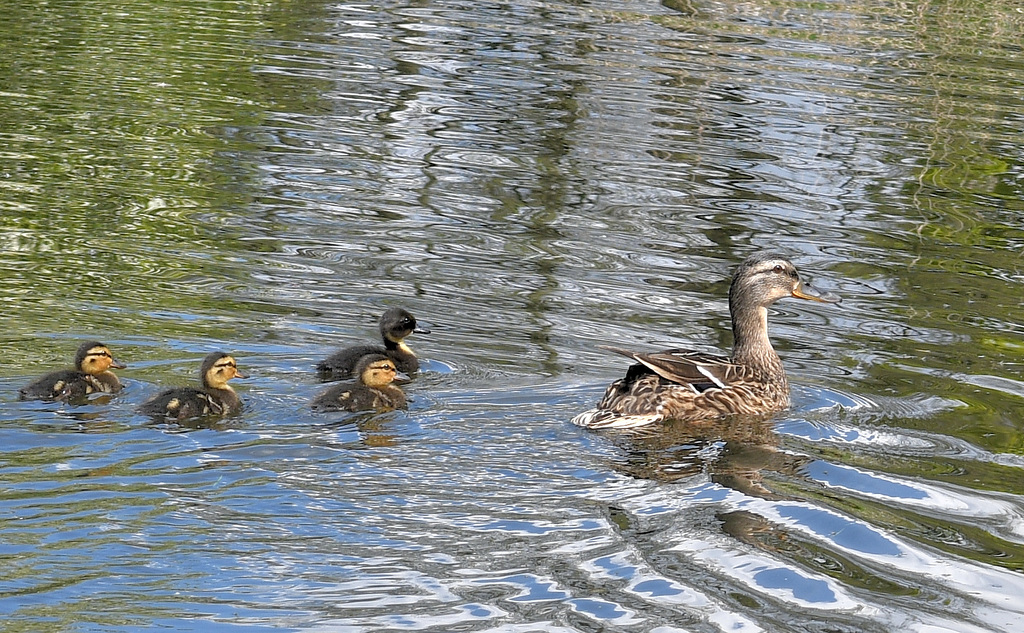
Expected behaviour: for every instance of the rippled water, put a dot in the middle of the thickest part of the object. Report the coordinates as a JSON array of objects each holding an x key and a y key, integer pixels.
[{"x": 531, "y": 180}]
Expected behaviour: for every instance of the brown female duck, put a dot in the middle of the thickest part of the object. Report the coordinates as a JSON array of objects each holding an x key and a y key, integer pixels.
[
  {"x": 371, "y": 390},
  {"x": 396, "y": 325},
  {"x": 91, "y": 374},
  {"x": 680, "y": 384},
  {"x": 215, "y": 398}
]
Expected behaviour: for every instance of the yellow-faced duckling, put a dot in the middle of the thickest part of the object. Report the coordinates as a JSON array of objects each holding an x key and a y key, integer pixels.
[
  {"x": 684, "y": 385},
  {"x": 372, "y": 388},
  {"x": 396, "y": 325},
  {"x": 91, "y": 374},
  {"x": 215, "y": 398}
]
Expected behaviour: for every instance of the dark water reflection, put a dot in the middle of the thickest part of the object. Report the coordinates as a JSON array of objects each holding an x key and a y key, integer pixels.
[{"x": 532, "y": 180}]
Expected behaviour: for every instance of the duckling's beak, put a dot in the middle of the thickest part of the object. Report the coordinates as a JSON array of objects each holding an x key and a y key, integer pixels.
[
  {"x": 806, "y": 292},
  {"x": 402, "y": 377},
  {"x": 419, "y": 329},
  {"x": 116, "y": 364},
  {"x": 239, "y": 374}
]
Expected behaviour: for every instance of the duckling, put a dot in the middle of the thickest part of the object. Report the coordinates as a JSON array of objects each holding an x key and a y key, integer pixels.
[
  {"x": 91, "y": 374},
  {"x": 684, "y": 385},
  {"x": 215, "y": 398},
  {"x": 395, "y": 325},
  {"x": 372, "y": 389}
]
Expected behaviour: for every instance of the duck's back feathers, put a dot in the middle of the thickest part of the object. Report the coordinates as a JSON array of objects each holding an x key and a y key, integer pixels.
[
  {"x": 341, "y": 364},
  {"x": 186, "y": 402},
  {"x": 65, "y": 384},
  {"x": 701, "y": 371},
  {"x": 353, "y": 395},
  {"x": 681, "y": 384},
  {"x": 643, "y": 397}
]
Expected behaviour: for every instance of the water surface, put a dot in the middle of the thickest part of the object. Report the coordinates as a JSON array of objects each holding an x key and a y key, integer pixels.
[{"x": 531, "y": 180}]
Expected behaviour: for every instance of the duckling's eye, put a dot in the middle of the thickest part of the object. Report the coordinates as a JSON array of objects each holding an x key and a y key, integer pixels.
[{"x": 778, "y": 268}]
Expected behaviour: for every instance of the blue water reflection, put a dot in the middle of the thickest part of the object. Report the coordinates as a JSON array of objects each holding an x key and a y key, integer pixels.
[
  {"x": 841, "y": 531},
  {"x": 802, "y": 588},
  {"x": 838, "y": 475}
]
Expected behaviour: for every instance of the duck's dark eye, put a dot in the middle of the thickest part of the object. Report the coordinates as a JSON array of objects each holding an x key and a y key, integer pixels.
[{"x": 778, "y": 268}]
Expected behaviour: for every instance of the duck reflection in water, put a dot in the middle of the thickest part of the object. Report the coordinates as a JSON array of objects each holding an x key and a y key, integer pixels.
[{"x": 734, "y": 452}]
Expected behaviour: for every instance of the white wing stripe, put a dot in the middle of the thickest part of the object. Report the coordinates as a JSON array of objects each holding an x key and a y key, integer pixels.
[{"x": 704, "y": 370}]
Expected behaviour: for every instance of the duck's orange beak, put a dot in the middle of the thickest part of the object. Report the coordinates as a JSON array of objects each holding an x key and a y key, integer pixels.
[{"x": 806, "y": 292}]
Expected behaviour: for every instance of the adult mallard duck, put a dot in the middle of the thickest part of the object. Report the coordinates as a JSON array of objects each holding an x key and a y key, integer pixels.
[
  {"x": 215, "y": 398},
  {"x": 679, "y": 384},
  {"x": 396, "y": 325},
  {"x": 91, "y": 374},
  {"x": 372, "y": 388}
]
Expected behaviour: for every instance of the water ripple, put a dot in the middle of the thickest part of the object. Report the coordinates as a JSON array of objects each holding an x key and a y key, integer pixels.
[{"x": 533, "y": 180}]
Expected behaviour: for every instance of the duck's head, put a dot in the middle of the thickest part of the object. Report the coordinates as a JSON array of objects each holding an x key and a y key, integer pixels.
[
  {"x": 95, "y": 358},
  {"x": 376, "y": 370},
  {"x": 217, "y": 369},
  {"x": 764, "y": 278},
  {"x": 396, "y": 324}
]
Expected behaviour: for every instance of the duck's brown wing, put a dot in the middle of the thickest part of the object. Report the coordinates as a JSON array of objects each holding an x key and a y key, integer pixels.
[{"x": 687, "y": 367}]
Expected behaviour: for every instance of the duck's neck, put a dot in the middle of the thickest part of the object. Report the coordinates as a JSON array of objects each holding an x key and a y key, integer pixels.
[
  {"x": 751, "y": 346},
  {"x": 109, "y": 379},
  {"x": 398, "y": 346},
  {"x": 221, "y": 387},
  {"x": 224, "y": 393}
]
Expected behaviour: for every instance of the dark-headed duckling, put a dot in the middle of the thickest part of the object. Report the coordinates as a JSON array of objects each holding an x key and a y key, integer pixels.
[
  {"x": 91, "y": 374},
  {"x": 372, "y": 388},
  {"x": 395, "y": 325},
  {"x": 215, "y": 398},
  {"x": 684, "y": 385}
]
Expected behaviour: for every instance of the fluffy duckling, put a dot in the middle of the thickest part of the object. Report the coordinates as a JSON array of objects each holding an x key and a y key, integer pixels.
[
  {"x": 215, "y": 398},
  {"x": 91, "y": 374},
  {"x": 372, "y": 388},
  {"x": 684, "y": 385},
  {"x": 396, "y": 325}
]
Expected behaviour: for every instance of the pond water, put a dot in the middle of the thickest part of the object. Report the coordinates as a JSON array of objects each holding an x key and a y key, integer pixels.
[{"x": 531, "y": 180}]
